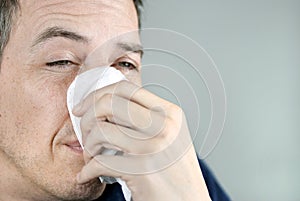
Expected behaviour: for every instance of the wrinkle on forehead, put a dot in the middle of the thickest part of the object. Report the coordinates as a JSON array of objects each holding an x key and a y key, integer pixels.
[
  {"x": 97, "y": 20},
  {"x": 78, "y": 7},
  {"x": 106, "y": 14}
]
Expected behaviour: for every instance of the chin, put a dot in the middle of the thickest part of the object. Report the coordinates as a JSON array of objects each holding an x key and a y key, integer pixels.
[
  {"x": 58, "y": 182},
  {"x": 89, "y": 191}
]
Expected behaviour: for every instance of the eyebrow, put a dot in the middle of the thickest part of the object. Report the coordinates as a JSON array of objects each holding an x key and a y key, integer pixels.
[
  {"x": 132, "y": 47},
  {"x": 56, "y": 31}
]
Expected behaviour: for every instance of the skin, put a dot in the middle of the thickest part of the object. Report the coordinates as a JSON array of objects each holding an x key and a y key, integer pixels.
[{"x": 40, "y": 157}]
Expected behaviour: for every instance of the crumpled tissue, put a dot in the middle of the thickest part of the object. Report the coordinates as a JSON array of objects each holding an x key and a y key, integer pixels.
[{"x": 84, "y": 84}]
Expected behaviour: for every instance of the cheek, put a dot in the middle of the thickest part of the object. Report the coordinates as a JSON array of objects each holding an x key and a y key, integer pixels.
[
  {"x": 47, "y": 105},
  {"x": 35, "y": 110}
]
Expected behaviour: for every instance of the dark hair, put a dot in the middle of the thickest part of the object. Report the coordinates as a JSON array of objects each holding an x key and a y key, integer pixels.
[
  {"x": 138, "y": 6},
  {"x": 8, "y": 9}
]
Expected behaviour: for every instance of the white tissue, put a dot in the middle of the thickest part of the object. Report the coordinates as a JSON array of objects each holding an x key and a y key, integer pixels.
[{"x": 83, "y": 85}]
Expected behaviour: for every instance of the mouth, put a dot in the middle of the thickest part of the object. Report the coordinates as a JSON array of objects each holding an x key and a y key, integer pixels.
[{"x": 74, "y": 146}]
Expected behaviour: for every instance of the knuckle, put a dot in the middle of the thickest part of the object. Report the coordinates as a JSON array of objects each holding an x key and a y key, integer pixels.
[
  {"x": 167, "y": 128},
  {"x": 123, "y": 82},
  {"x": 174, "y": 110},
  {"x": 83, "y": 125},
  {"x": 170, "y": 130},
  {"x": 107, "y": 97},
  {"x": 128, "y": 87}
]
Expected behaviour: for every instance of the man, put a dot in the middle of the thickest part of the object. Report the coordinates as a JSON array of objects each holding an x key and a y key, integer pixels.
[{"x": 44, "y": 43}]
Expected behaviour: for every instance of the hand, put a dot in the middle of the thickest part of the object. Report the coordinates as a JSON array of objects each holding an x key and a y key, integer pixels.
[{"x": 158, "y": 161}]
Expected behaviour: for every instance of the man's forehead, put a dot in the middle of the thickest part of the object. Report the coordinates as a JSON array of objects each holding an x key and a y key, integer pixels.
[
  {"x": 106, "y": 12},
  {"x": 92, "y": 19},
  {"x": 79, "y": 6}
]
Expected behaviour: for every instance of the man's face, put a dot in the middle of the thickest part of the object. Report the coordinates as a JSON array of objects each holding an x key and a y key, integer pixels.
[{"x": 48, "y": 43}]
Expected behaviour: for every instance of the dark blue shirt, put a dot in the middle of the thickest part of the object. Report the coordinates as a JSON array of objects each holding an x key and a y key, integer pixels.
[{"x": 113, "y": 192}]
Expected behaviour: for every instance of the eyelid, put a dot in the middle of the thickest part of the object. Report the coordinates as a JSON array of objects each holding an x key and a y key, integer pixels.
[
  {"x": 128, "y": 59},
  {"x": 56, "y": 62},
  {"x": 59, "y": 56}
]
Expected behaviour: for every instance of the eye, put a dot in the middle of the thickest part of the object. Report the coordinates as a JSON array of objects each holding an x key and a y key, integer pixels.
[
  {"x": 125, "y": 64},
  {"x": 60, "y": 63},
  {"x": 62, "y": 66}
]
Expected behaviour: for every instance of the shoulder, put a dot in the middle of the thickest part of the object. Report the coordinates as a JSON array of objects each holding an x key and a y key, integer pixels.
[{"x": 215, "y": 190}]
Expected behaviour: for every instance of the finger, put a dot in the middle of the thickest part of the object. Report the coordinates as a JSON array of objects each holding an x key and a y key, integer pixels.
[
  {"x": 125, "y": 113},
  {"x": 95, "y": 168},
  {"x": 121, "y": 166},
  {"x": 126, "y": 90},
  {"x": 118, "y": 138},
  {"x": 115, "y": 166}
]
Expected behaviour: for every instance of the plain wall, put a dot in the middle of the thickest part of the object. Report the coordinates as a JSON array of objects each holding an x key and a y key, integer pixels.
[{"x": 256, "y": 47}]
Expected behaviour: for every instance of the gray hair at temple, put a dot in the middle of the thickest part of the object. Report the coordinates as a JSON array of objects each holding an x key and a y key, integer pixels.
[{"x": 8, "y": 10}]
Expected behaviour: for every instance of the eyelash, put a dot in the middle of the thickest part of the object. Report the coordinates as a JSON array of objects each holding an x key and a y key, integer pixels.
[
  {"x": 125, "y": 64},
  {"x": 60, "y": 63},
  {"x": 120, "y": 65}
]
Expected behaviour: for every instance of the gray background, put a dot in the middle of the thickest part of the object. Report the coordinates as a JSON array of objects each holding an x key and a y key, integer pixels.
[{"x": 256, "y": 46}]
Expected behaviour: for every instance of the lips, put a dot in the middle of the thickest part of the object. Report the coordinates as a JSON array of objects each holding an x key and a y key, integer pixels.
[{"x": 74, "y": 146}]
